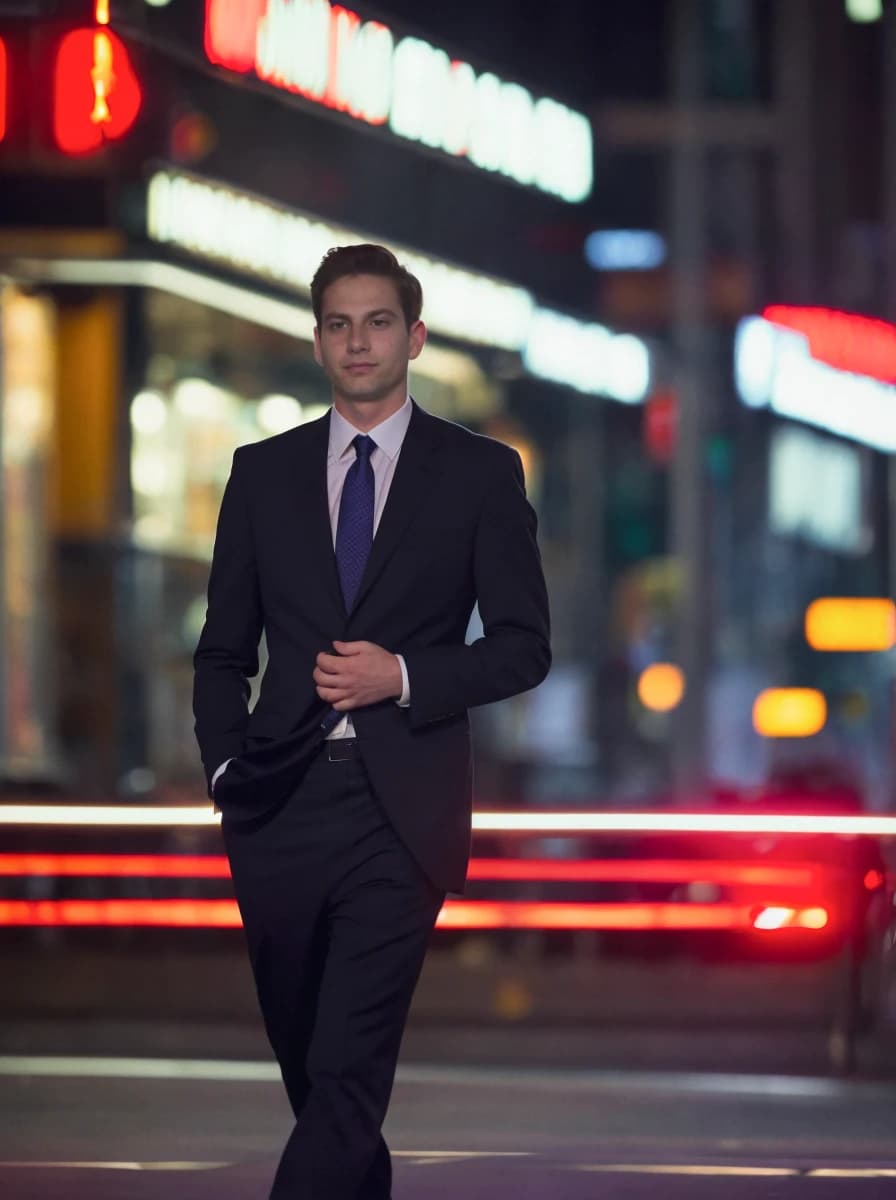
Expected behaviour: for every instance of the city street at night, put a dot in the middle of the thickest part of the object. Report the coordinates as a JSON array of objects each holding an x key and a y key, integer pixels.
[
  {"x": 467, "y": 1119},
  {"x": 447, "y": 600}
]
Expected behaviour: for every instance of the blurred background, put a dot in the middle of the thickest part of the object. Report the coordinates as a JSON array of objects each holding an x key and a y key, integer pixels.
[{"x": 657, "y": 242}]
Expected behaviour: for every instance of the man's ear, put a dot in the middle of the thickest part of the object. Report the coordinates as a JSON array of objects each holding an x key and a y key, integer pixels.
[
  {"x": 317, "y": 356},
  {"x": 417, "y": 339}
]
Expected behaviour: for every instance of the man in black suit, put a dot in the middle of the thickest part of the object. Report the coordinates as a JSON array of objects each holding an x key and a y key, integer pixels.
[{"x": 359, "y": 544}]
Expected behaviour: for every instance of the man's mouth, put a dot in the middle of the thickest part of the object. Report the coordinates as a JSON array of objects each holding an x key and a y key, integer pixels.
[{"x": 359, "y": 368}]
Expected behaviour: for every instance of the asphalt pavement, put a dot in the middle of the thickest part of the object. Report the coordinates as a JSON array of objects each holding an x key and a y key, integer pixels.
[{"x": 146, "y": 1076}]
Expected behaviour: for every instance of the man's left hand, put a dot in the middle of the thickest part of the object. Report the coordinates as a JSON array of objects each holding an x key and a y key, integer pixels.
[{"x": 359, "y": 673}]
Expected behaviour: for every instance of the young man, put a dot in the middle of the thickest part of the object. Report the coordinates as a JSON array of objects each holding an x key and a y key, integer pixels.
[{"x": 359, "y": 543}]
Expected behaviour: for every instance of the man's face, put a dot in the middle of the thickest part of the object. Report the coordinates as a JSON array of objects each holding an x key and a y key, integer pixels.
[{"x": 363, "y": 343}]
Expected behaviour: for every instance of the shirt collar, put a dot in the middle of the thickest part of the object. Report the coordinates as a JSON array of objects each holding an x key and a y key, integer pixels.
[{"x": 388, "y": 435}]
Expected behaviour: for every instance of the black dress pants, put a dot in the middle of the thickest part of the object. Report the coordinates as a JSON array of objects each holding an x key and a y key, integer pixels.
[{"x": 337, "y": 915}]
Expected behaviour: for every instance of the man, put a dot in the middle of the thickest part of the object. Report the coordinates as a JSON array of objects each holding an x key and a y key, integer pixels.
[{"x": 359, "y": 543}]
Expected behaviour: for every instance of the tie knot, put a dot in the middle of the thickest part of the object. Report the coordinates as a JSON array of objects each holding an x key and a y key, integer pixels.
[{"x": 364, "y": 446}]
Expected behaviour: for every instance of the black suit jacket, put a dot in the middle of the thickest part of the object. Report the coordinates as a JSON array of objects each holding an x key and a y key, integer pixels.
[{"x": 456, "y": 529}]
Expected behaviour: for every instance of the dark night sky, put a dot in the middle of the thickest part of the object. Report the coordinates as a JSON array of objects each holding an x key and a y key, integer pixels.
[{"x": 581, "y": 50}]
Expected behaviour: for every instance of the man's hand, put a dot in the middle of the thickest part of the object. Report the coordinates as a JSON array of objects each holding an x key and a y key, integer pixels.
[{"x": 359, "y": 673}]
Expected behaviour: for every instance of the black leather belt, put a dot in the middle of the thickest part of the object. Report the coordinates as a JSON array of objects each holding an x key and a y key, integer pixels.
[{"x": 341, "y": 749}]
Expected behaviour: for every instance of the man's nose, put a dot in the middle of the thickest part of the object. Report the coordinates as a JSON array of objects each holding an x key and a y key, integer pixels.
[{"x": 357, "y": 337}]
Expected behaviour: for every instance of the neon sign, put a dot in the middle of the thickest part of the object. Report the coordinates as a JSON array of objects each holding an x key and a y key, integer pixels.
[
  {"x": 96, "y": 95},
  {"x": 330, "y": 56},
  {"x": 2, "y": 89},
  {"x": 775, "y": 367},
  {"x": 250, "y": 234},
  {"x": 862, "y": 345}
]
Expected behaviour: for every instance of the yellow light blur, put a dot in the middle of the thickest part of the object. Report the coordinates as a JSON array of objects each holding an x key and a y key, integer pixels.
[
  {"x": 661, "y": 687},
  {"x": 789, "y": 712},
  {"x": 851, "y": 623}
]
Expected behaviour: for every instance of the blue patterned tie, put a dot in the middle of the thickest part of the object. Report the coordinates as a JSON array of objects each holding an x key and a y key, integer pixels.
[
  {"x": 354, "y": 534},
  {"x": 354, "y": 530}
]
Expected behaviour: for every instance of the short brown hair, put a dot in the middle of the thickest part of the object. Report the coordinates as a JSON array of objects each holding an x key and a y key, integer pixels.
[{"x": 367, "y": 259}]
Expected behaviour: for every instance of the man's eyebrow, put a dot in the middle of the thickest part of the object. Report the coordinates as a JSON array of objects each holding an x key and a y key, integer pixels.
[{"x": 374, "y": 312}]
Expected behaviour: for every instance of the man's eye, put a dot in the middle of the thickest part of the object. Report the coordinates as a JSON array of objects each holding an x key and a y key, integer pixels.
[{"x": 379, "y": 322}]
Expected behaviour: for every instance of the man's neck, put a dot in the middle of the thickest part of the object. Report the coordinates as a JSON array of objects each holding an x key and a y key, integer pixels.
[{"x": 367, "y": 414}]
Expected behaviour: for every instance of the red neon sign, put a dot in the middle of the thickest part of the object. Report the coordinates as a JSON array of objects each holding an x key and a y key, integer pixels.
[
  {"x": 860, "y": 345},
  {"x": 231, "y": 28},
  {"x": 96, "y": 94},
  {"x": 3, "y": 75}
]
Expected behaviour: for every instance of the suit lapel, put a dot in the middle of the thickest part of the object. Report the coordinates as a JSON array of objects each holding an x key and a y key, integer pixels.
[
  {"x": 314, "y": 498},
  {"x": 414, "y": 477}
]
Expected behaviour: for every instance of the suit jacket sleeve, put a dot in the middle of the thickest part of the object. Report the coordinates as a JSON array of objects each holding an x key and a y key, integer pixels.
[
  {"x": 226, "y": 657},
  {"x": 514, "y": 653}
]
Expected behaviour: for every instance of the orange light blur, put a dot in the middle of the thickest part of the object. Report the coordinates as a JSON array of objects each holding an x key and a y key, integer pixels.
[
  {"x": 851, "y": 624},
  {"x": 783, "y": 917},
  {"x": 789, "y": 712},
  {"x": 661, "y": 687},
  {"x": 101, "y": 12}
]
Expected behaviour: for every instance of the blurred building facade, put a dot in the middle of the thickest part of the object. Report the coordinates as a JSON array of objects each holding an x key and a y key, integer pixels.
[{"x": 154, "y": 261}]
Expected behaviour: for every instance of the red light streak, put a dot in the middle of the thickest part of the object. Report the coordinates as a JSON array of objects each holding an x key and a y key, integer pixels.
[
  {"x": 456, "y": 914},
  {"x": 674, "y": 870},
  {"x": 181, "y": 914},
  {"x": 861, "y": 345},
  {"x": 136, "y": 866},
  {"x": 513, "y": 914},
  {"x": 195, "y": 866}
]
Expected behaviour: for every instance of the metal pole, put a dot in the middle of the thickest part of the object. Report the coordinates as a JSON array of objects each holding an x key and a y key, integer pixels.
[{"x": 691, "y": 538}]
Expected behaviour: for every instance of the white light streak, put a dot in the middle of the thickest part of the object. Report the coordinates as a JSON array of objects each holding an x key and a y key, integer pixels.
[{"x": 661, "y": 821}]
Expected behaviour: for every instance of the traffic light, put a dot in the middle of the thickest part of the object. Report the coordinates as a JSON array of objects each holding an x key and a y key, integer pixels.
[{"x": 96, "y": 93}]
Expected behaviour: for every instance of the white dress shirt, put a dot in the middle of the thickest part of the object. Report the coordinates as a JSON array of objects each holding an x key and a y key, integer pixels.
[{"x": 388, "y": 437}]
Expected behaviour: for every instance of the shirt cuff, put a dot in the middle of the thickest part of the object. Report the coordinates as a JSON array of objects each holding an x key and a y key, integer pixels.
[
  {"x": 404, "y": 700},
  {"x": 220, "y": 771}
]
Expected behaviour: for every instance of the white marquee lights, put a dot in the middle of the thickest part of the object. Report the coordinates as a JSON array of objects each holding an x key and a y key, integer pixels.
[
  {"x": 588, "y": 357},
  {"x": 253, "y": 235},
  {"x": 329, "y": 55},
  {"x": 774, "y": 368}
]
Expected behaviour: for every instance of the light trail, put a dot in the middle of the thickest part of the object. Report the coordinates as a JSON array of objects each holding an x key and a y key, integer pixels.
[
  {"x": 550, "y": 822},
  {"x": 198, "y": 866}
]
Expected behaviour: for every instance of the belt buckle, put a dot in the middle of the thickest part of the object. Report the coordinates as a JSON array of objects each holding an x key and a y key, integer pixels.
[{"x": 341, "y": 749}]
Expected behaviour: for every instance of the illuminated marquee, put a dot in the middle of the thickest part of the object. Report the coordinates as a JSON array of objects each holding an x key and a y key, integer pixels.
[
  {"x": 784, "y": 360},
  {"x": 285, "y": 247},
  {"x": 327, "y": 54}
]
